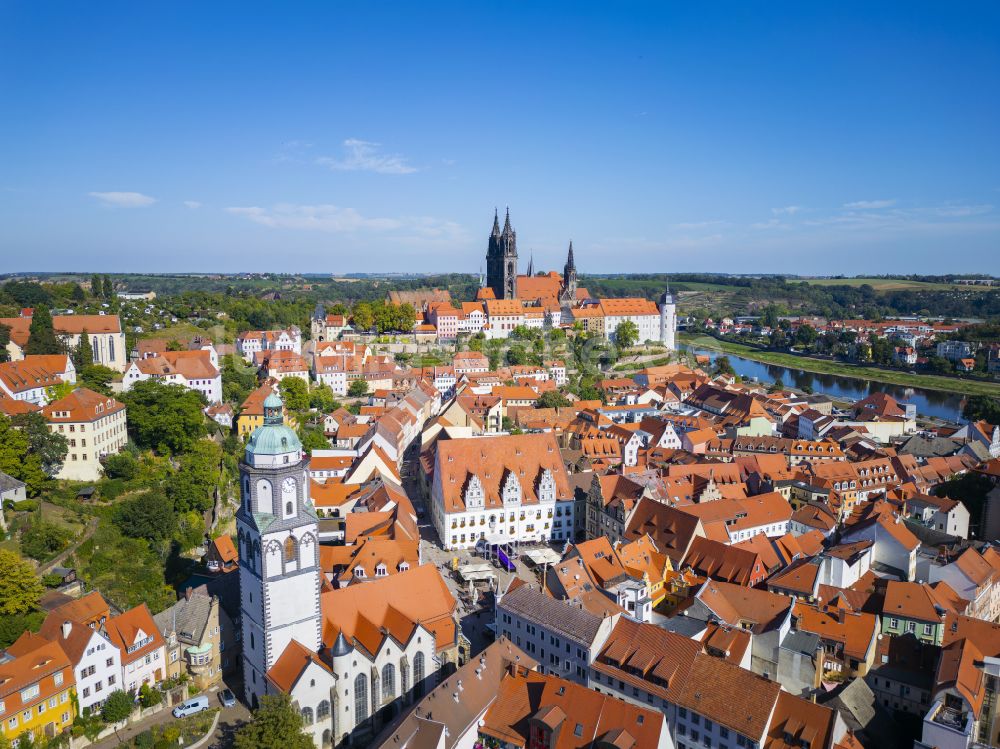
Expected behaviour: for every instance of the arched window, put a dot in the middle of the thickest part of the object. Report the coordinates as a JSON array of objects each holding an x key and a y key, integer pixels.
[
  {"x": 388, "y": 682},
  {"x": 418, "y": 674},
  {"x": 404, "y": 679},
  {"x": 360, "y": 698},
  {"x": 290, "y": 549},
  {"x": 307, "y": 716},
  {"x": 323, "y": 710},
  {"x": 288, "y": 508}
]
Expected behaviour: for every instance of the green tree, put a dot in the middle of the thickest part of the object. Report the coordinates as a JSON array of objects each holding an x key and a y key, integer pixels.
[
  {"x": 805, "y": 335},
  {"x": 49, "y": 448},
  {"x": 108, "y": 289},
  {"x": 238, "y": 379},
  {"x": 313, "y": 439},
  {"x": 149, "y": 696},
  {"x": 122, "y": 466},
  {"x": 78, "y": 295},
  {"x": 20, "y": 588},
  {"x": 358, "y": 388},
  {"x": 96, "y": 287},
  {"x": 42, "y": 338},
  {"x": 363, "y": 316},
  {"x": 165, "y": 418},
  {"x": 982, "y": 408},
  {"x": 295, "y": 394},
  {"x": 552, "y": 399},
  {"x": 276, "y": 724},
  {"x": 17, "y": 460},
  {"x": 626, "y": 334},
  {"x": 125, "y": 570},
  {"x": 83, "y": 354},
  {"x": 724, "y": 366},
  {"x": 117, "y": 707},
  {"x": 321, "y": 398},
  {"x": 150, "y": 516},
  {"x": 96, "y": 377},
  {"x": 776, "y": 386},
  {"x": 4, "y": 343},
  {"x": 43, "y": 540},
  {"x": 516, "y": 355},
  {"x": 192, "y": 487}
]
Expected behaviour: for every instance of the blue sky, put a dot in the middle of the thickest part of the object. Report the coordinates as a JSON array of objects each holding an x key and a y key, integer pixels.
[{"x": 336, "y": 137}]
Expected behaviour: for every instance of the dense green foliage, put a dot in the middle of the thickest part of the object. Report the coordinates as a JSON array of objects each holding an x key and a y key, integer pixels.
[
  {"x": 48, "y": 447},
  {"x": 17, "y": 460},
  {"x": 149, "y": 516},
  {"x": 42, "y": 338},
  {"x": 358, "y": 388},
  {"x": 117, "y": 707},
  {"x": 42, "y": 540},
  {"x": 276, "y": 724},
  {"x": 982, "y": 407},
  {"x": 191, "y": 487},
  {"x": 164, "y": 418},
  {"x": 96, "y": 377},
  {"x": 20, "y": 588},
  {"x": 295, "y": 394},
  {"x": 126, "y": 570},
  {"x": 626, "y": 334}
]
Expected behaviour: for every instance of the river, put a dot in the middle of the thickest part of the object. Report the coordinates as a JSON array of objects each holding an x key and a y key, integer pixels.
[{"x": 935, "y": 403}]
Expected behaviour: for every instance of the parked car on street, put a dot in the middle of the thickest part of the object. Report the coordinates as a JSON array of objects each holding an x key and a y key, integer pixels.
[
  {"x": 190, "y": 707},
  {"x": 227, "y": 698}
]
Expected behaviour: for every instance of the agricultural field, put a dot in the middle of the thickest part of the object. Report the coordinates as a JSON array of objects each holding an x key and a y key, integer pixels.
[{"x": 889, "y": 284}]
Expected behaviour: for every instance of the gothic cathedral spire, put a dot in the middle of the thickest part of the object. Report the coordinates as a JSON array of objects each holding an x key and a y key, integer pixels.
[{"x": 501, "y": 259}]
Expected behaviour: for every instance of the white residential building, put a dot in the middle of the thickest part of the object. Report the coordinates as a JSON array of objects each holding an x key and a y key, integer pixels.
[{"x": 94, "y": 426}]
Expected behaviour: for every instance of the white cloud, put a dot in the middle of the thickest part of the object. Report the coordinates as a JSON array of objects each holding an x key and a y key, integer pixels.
[
  {"x": 364, "y": 156},
  {"x": 788, "y": 210},
  {"x": 192, "y": 204},
  {"x": 961, "y": 211},
  {"x": 869, "y": 205},
  {"x": 771, "y": 223},
  {"x": 123, "y": 199},
  {"x": 693, "y": 225},
  {"x": 340, "y": 220}
]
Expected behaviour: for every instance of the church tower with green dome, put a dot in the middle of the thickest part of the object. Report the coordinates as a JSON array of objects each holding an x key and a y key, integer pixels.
[{"x": 279, "y": 549}]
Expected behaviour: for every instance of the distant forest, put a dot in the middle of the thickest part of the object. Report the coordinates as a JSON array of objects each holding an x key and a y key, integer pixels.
[{"x": 699, "y": 294}]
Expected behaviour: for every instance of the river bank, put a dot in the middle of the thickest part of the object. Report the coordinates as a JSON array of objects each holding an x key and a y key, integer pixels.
[{"x": 843, "y": 369}]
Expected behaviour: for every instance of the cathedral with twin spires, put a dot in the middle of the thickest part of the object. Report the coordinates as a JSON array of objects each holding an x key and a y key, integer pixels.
[{"x": 502, "y": 278}]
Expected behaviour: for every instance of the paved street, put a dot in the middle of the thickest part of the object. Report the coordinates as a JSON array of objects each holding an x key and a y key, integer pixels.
[{"x": 231, "y": 717}]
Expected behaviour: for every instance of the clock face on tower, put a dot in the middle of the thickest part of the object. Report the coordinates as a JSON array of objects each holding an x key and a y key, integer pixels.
[{"x": 288, "y": 487}]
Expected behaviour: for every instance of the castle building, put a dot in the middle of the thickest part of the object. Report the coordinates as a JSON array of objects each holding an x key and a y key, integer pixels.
[
  {"x": 501, "y": 259},
  {"x": 279, "y": 550}
]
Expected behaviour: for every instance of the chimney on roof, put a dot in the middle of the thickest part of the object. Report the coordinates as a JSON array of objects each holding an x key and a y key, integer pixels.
[{"x": 67, "y": 627}]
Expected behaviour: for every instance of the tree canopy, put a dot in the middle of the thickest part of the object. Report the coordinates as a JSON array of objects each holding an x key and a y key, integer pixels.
[
  {"x": 20, "y": 588},
  {"x": 17, "y": 459},
  {"x": 295, "y": 394},
  {"x": 165, "y": 418},
  {"x": 150, "y": 516},
  {"x": 191, "y": 487},
  {"x": 982, "y": 408},
  {"x": 42, "y": 338},
  {"x": 626, "y": 334},
  {"x": 49, "y": 447},
  {"x": 358, "y": 388},
  {"x": 117, "y": 707},
  {"x": 276, "y": 724}
]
